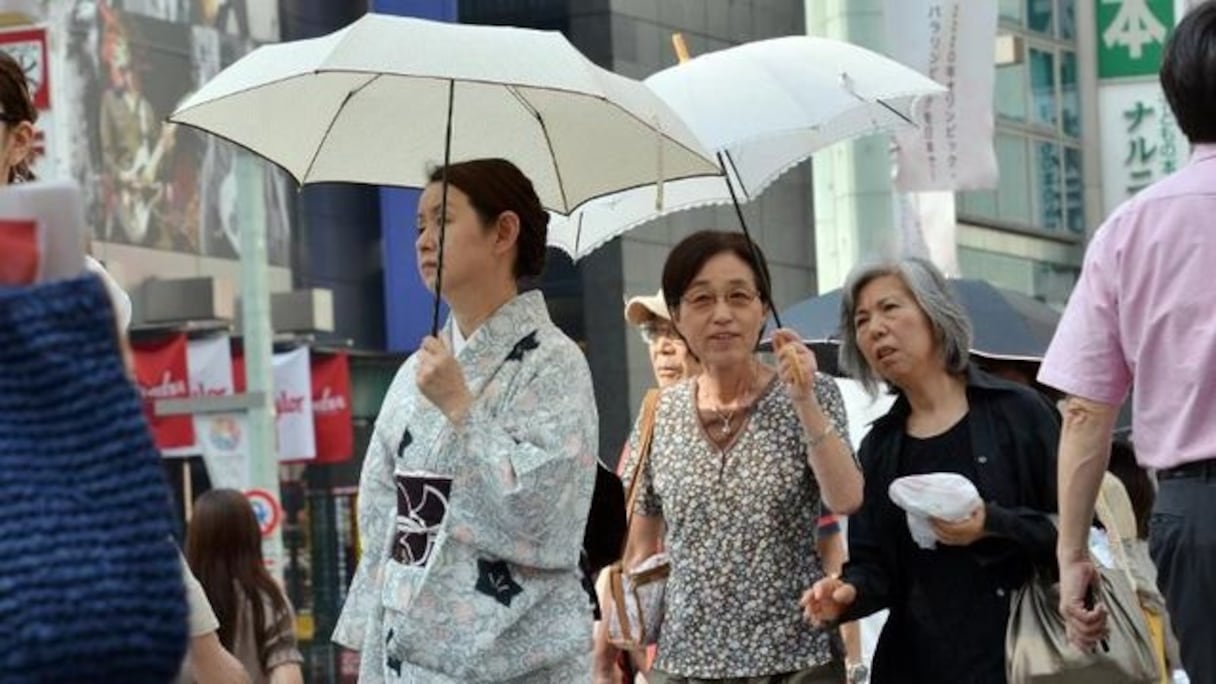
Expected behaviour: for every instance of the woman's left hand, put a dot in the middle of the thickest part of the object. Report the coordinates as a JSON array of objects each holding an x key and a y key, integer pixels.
[
  {"x": 796, "y": 364},
  {"x": 441, "y": 381},
  {"x": 964, "y": 532}
]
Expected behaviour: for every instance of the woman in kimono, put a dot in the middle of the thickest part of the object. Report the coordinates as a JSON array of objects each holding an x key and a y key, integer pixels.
[{"x": 476, "y": 486}]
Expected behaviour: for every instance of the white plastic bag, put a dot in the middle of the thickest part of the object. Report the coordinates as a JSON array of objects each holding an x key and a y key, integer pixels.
[{"x": 946, "y": 496}]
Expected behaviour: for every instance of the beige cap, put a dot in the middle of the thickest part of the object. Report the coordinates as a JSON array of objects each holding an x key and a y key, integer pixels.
[{"x": 640, "y": 309}]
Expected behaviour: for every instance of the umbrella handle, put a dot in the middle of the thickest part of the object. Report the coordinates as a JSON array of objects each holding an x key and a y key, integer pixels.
[{"x": 443, "y": 211}]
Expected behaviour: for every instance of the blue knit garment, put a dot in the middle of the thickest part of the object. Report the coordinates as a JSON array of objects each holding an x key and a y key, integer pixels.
[{"x": 90, "y": 583}]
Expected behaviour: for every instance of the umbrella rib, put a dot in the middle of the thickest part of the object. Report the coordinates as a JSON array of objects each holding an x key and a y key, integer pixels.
[
  {"x": 557, "y": 171},
  {"x": 895, "y": 111},
  {"x": 333, "y": 121},
  {"x": 743, "y": 188},
  {"x": 578, "y": 235}
]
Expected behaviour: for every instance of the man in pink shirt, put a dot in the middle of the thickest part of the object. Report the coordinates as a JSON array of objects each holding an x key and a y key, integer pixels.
[{"x": 1144, "y": 313}]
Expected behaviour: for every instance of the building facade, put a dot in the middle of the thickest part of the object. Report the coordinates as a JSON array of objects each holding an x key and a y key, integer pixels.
[{"x": 1028, "y": 233}]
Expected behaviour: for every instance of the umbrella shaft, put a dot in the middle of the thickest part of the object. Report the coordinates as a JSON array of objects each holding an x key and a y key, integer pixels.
[
  {"x": 443, "y": 211},
  {"x": 766, "y": 285}
]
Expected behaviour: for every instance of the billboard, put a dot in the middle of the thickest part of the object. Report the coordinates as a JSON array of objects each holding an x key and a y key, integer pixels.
[{"x": 126, "y": 64}]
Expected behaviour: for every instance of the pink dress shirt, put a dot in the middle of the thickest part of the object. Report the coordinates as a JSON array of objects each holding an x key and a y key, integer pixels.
[{"x": 1144, "y": 313}]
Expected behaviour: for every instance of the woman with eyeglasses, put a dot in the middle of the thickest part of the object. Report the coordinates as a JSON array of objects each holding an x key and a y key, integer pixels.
[
  {"x": 671, "y": 363},
  {"x": 744, "y": 459}
]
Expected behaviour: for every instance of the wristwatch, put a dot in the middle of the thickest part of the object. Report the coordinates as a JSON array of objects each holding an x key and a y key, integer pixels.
[{"x": 858, "y": 673}]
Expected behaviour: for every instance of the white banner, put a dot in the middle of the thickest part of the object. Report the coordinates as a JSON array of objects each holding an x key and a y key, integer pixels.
[
  {"x": 209, "y": 370},
  {"x": 929, "y": 226},
  {"x": 1141, "y": 142},
  {"x": 222, "y": 437},
  {"x": 952, "y": 42},
  {"x": 293, "y": 406}
]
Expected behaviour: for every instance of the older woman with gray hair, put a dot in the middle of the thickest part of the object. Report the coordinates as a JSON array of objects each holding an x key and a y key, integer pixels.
[{"x": 949, "y": 605}]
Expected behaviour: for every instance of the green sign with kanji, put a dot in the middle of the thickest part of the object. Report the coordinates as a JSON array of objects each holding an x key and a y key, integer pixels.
[{"x": 1131, "y": 36}]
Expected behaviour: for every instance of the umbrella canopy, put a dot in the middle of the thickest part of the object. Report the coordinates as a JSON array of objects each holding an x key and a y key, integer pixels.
[
  {"x": 763, "y": 108},
  {"x": 371, "y": 103},
  {"x": 1007, "y": 325}
]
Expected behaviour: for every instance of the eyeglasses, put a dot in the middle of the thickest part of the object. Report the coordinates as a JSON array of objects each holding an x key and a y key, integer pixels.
[
  {"x": 654, "y": 333},
  {"x": 703, "y": 301}
]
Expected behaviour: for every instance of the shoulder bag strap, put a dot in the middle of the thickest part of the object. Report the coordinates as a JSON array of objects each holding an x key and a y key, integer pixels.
[{"x": 650, "y": 406}]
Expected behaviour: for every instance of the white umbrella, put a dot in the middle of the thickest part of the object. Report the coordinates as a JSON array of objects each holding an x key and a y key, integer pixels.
[
  {"x": 380, "y": 100},
  {"x": 763, "y": 107}
]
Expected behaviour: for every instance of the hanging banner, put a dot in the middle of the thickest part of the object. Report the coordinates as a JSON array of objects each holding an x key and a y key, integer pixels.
[
  {"x": 161, "y": 373},
  {"x": 1141, "y": 141},
  {"x": 331, "y": 407},
  {"x": 929, "y": 228},
  {"x": 293, "y": 406},
  {"x": 209, "y": 368},
  {"x": 950, "y": 41}
]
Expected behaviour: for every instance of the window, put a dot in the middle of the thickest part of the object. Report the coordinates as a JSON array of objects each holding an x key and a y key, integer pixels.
[
  {"x": 1011, "y": 92},
  {"x": 1043, "y": 87},
  {"x": 1070, "y": 95},
  {"x": 1047, "y": 192},
  {"x": 1013, "y": 192},
  {"x": 1074, "y": 192},
  {"x": 1011, "y": 9},
  {"x": 1068, "y": 20},
  {"x": 1039, "y": 15}
]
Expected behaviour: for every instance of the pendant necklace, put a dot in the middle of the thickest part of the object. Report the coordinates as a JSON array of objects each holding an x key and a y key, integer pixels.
[{"x": 725, "y": 417}]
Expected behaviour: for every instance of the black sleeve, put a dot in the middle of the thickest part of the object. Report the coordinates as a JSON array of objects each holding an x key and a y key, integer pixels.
[
  {"x": 1029, "y": 525},
  {"x": 872, "y": 567}
]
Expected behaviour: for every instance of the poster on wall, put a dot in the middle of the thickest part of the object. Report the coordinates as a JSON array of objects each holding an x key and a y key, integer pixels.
[
  {"x": 28, "y": 47},
  {"x": 126, "y": 66}
]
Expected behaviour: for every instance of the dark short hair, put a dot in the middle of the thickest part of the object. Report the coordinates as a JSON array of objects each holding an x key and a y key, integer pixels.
[
  {"x": 1188, "y": 72},
  {"x": 689, "y": 256},
  {"x": 1136, "y": 481},
  {"x": 17, "y": 105},
  {"x": 494, "y": 186}
]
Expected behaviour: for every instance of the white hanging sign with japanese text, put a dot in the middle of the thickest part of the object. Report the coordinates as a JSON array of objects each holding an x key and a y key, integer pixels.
[{"x": 950, "y": 41}]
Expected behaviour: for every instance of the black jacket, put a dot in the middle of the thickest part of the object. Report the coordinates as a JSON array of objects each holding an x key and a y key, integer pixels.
[{"x": 1014, "y": 436}]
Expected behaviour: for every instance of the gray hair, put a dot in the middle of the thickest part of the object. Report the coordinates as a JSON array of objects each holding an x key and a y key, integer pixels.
[{"x": 933, "y": 295}]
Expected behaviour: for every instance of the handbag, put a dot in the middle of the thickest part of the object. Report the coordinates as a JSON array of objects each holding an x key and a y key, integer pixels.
[
  {"x": 91, "y": 583},
  {"x": 1037, "y": 650},
  {"x": 1114, "y": 511},
  {"x": 636, "y": 596}
]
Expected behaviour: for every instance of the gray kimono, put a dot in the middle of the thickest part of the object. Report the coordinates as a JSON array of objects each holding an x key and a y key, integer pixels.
[{"x": 471, "y": 536}]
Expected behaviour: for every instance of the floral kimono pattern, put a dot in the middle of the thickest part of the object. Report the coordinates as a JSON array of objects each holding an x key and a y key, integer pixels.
[{"x": 472, "y": 535}]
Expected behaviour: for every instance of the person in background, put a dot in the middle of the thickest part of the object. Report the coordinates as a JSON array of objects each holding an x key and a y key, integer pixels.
[
  {"x": 949, "y": 605},
  {"x": 207, "y": 661},
  {"x": 745, "y": 459},
  {"x": 669, "y": 356},
  {"x": 671, "y": 362},
  {"x": 256, "y": 623},
  {"x": 1141, "y": 314}
]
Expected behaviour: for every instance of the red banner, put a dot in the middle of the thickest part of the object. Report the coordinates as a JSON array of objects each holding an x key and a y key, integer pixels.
[
  {"x": 162, "y": 373},
  {"x": 331, "y": 407}
]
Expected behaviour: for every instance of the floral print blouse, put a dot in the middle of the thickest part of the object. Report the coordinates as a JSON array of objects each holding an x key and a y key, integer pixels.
[{"x": 740, "y": 533}]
